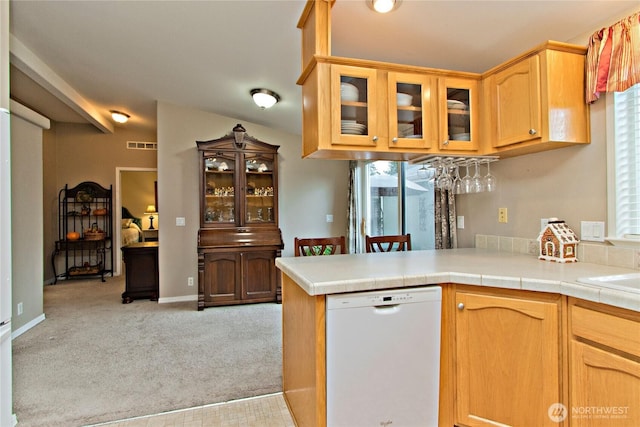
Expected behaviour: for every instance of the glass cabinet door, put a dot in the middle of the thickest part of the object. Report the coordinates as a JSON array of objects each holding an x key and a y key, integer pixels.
[
  {"x": 459, "y": 101},
  {"x": 412, "y": 117},
  {"x": 353, "y": 111},
  {"x": 260, "y": 192},
  {"x": 219, "y": 189}
]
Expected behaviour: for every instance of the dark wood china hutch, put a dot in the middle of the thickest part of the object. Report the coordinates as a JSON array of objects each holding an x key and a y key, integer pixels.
[{"x": 239, "y": 238}]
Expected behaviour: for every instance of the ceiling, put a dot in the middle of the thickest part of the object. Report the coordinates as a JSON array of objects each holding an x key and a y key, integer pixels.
[{"x": 208, "y": 55}]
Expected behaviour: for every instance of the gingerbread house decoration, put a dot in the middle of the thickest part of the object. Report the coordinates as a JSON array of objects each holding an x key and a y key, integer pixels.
[{"x": 557, "y": 242}]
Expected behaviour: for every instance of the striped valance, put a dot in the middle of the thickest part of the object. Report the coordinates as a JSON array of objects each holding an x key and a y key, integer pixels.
[{"x": 613, "y": 58}]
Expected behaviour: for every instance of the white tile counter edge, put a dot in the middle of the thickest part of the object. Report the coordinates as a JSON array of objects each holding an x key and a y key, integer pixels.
[{"x": 480, "y": 267}]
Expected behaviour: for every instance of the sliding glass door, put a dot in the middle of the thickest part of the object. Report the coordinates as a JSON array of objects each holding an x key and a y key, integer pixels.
[{"x": 398, "y": 199}]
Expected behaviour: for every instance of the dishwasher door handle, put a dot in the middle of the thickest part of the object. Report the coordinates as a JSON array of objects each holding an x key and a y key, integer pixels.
[{"x": 386, "y": 309}]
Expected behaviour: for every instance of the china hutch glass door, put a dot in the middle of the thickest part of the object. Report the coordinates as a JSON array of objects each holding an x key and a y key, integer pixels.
[
  {"x": 220, "y": 189},
  {"x": 259, "y": 200}
]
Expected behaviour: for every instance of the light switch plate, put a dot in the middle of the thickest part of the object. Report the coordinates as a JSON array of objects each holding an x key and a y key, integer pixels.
[
  {"x": 592, "y": 231},
  {"x": 180, "y": 221}
]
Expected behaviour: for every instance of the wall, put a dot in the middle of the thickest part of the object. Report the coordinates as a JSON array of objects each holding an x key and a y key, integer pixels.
[
  {"x": 74, "y": 153},
  {"x": 26, "y": 222},
  {"x": 308, "y": 190}
]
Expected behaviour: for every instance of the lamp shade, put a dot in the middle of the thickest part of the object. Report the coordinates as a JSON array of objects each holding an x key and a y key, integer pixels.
[
  {"x": 264, "y": 98},
  {"x": 151, "y": 209}
]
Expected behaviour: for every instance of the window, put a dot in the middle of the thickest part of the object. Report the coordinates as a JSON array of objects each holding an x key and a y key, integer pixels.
[
  {"x": 624, "y": 164},
  {"x": 398, "y": 200}
]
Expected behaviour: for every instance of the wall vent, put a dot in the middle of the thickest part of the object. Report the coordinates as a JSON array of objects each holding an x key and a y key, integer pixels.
[{"x": 142, "y": 145}]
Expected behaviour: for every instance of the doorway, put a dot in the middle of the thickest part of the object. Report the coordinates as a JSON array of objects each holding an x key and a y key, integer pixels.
[{"x": 135, "y": 190}]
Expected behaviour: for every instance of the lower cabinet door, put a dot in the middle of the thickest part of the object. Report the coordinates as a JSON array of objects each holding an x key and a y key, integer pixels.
[
  {"x": 259, "y": 275},
  {"x": 221, "y": 272},
  {"x": 508, "y": 368},
  {"x": 605, "y": 388}
]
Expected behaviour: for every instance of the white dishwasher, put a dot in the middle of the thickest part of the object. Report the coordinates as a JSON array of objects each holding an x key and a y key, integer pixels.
[{"x": 383, "y": 358}]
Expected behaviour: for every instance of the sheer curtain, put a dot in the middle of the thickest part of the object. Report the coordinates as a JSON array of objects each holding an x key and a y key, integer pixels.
[
  {"x": 613, "y": 58},
  {"x": 353, "y": 213},
  {"x": 446, "y": 236}
]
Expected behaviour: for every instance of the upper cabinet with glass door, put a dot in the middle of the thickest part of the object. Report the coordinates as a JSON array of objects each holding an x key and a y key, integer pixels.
[
  {"x": 354, "y": 109},
  {"x": 459, "y": 102},
  {"x": 412, "y": 110},
  {"x": 260, "y": 198}
]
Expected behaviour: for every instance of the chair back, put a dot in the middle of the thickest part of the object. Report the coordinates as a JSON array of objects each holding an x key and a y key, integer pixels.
[
  {"x": 397, "y": 243},
  {"x": 319, "y": 246}
]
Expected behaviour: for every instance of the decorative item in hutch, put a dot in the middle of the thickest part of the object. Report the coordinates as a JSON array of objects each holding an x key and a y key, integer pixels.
[{"x": 239, "y": 238}]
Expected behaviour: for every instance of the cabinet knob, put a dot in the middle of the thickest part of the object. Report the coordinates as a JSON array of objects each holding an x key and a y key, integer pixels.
[
  {"x": 532, "y": 131},
  {"x": 375, "y": 139},
  {"x": 461, "y": 306},
  {"x": 446, "y": 142},
  {"x": 395, "y": 139}
]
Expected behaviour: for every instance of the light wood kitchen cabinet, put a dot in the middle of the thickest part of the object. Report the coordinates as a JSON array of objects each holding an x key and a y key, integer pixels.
[
  {"x": 508, "y": 369},
  {"x": 536, "y": 102},
  {"x": 604, "y": 366},
  {"x": 518, "y": 107},
  {"x": 412, "y": 109},
  {"x": 458, "y": 104},
  {"x": 354, "y": 106}
]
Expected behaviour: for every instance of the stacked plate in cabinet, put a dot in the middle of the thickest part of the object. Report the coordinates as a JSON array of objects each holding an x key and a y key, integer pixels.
[{"x": 352, "y": 127}]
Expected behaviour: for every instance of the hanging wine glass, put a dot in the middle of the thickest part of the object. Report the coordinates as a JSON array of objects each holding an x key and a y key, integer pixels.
[
  {"x": 489, "y": 180},
  {"x": 467, "y": 181},
  {"x": 476, "y": 182},
  {"x": 457, "y": 186}
]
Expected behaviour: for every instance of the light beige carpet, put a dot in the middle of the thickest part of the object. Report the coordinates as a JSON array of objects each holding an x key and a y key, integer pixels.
[{"x": 95, "y": 359}]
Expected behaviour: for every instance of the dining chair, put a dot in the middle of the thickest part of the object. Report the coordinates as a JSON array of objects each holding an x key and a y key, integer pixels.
[
  {"x": 395, "y": 243},
  {"x": 319, "y": 246}
]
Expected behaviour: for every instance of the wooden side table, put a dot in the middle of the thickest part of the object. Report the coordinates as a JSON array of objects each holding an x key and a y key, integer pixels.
[{"x": 141, "y": 266}]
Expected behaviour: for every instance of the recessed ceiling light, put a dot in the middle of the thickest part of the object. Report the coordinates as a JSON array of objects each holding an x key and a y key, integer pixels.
[
  {"x": 264, "y": 98},
  {"x": 119, "y": 117}
]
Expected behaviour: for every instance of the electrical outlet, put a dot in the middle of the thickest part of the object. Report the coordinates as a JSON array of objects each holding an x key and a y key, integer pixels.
[
  {"x": 190, "y": 281},
  {"x": 329, "y": 218},
  {"x": 502, "y": 215},
  {"x": 20, "y": 308}
]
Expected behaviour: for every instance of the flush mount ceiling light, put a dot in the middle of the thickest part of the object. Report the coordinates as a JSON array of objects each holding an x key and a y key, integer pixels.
[
  {"x": 383, "y": 6},
  {"x": 264, "y": 98},
  {"x": 119, "y": 117}
]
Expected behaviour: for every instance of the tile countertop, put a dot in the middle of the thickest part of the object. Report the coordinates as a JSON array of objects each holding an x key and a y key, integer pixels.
[{"x": 323, "y": 275}]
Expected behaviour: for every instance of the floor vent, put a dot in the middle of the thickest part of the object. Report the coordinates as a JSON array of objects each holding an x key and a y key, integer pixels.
[{"x": 142, "y": 145}]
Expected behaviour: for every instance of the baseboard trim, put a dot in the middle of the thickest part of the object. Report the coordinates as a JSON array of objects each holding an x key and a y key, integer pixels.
[
  {"x": 185, "y": 298},
  {"x": 15, "y": 334}
]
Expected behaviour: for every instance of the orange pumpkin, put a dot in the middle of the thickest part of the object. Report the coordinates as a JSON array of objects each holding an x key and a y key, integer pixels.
[{"x": 73, "y": 235}]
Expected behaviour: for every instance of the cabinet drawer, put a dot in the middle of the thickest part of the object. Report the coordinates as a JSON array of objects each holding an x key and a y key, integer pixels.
[{"x": 612, "y": 331}]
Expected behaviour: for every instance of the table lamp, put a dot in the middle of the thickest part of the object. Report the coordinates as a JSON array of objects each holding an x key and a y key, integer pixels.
[{"x": 151, "y": 210}]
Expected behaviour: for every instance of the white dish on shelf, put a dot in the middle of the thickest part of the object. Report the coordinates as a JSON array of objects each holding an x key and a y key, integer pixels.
[
  {"x": 404, "y": 99},
  {"x": 452, "y": 104},
  {"x": 348, "y": 92},
  {"x": 461, "y": 137},
  {"x": 353, "y": 131}
]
